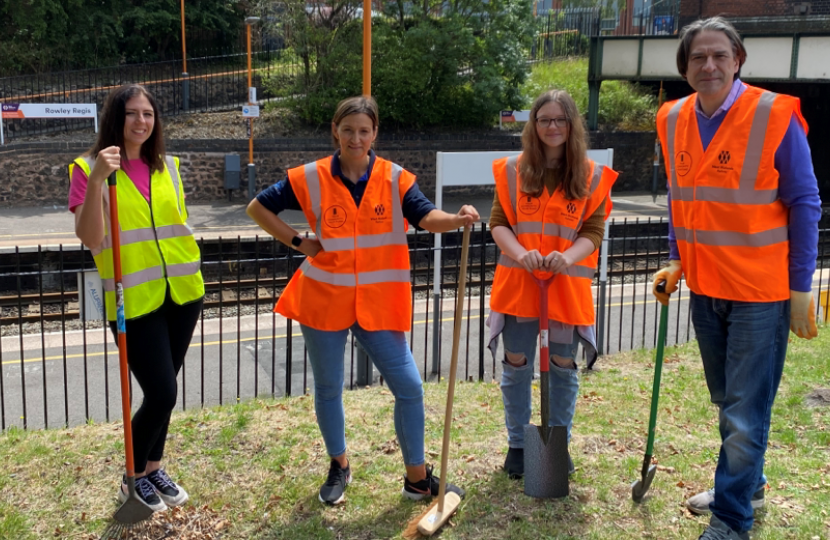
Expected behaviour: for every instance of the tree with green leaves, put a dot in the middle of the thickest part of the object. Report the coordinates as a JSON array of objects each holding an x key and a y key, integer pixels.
[
  {"x": 46, "y": 35},
  {"x": 455, "y": 63}
]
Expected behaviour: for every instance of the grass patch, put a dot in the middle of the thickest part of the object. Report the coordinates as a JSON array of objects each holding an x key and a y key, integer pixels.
[
  {"x": 258, "y": 465},
  {"x": 623, "y": 106}
]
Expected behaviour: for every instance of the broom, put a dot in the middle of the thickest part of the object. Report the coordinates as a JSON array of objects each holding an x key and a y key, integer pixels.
[
  {"x": 445, "y": 505},
  {"x": 131, "y": 515}
]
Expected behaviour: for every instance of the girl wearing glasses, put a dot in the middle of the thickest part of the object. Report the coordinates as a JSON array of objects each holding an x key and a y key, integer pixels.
[{"x": 548, "y": 217}]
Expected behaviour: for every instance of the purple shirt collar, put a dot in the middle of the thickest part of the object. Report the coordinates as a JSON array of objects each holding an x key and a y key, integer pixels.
[{"x": 737, "y": 90}]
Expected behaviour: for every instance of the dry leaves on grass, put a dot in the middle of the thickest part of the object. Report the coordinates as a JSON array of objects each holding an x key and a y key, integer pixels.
[{"x": 187, "y": 523}]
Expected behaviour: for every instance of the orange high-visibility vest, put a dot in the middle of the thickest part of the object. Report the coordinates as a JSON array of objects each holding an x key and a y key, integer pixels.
[
  {"x": 362, "y": 273},
  {"x": 731, "y": 227},
  {"x": 547, "y": 223}
]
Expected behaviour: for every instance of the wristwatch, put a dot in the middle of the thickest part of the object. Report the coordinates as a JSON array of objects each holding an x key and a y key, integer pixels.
[{"x": 296, "y": 241}]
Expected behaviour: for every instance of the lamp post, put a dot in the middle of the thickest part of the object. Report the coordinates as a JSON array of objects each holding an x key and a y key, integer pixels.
[
  {"x": 185, "y": 80},
  {"x": 251, "y": 101},
  {"x": 367, "y": 47}
]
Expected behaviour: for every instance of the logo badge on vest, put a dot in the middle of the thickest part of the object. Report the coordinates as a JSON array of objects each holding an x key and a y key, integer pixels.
[
  {"x": 335, "y": 216},
  {"x": 380, "y": 213},
  {"x": 571, "y": 208},
  {"x": 722, "y": 166},
  {"x": 682, "y": 163},
  {"x": 529, "y": 204}
]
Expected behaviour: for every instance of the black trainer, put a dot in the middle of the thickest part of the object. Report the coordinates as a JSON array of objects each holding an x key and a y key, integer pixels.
[
  {"x": 514, "y": 463},
  {"x": 170, "y": 492},
  {"x": 334, "y": 490},
  {"x": 428, "y": 487},
  {"x": 145, "y": 491}
]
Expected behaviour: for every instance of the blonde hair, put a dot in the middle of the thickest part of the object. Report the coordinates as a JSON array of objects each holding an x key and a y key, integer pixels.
[
  {"x": 355, "y": 105},
  {"x": 575, "y": 166}
]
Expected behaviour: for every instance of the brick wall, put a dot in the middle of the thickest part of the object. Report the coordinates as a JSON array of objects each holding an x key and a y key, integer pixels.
[
  {"x": 767, "y": 16},
  {"x": 35, "y": 174}
]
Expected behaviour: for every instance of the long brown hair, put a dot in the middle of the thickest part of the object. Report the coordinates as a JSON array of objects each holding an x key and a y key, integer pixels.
[
  {"x": 354, "y": 105},
  {"x": 575, "y": 167},
  {"x": 111, "y": 132}
]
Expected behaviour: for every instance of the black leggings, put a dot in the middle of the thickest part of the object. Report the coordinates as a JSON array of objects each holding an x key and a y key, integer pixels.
[{"x": 156, "y": 347}]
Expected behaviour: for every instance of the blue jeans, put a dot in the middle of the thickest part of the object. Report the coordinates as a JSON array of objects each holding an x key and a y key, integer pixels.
[
  {"x": 390, "y": 353},
  {"x": 522, "y": 337},
  {"x": 743, "y": 346}
]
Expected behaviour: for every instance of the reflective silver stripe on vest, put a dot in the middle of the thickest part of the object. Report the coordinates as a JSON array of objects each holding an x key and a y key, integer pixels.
[
  {"x": 733, "y": 238},
  {"x": 312, "y": 180},
  {"x": 677, "y": 193},
  {"x": 528, "y": 227},
  {"x": 574, "y": 271},
  {"x": 383, "y": 276},
  {"x": 312, "y": 272},
  {"x": 136, "y": 278},
  {"x": 549, "y": 229},
  {"x": 145, "y": 235},
  {"x": 512, "y": 183},
  {"x": 687, "y": 235},
  {"x": 555, "y": 229},
  {"x": 174, "y": 174},
  {"x": 746, "y": 192},
  {"x": 184, "y": 269}
]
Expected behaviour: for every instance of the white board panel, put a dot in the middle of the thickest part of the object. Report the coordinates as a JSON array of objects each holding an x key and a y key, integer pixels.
[
  {"x": 476, "y": 168},
  {"x": 813, "y": 58},
  {"x": 619, "y": 57},
  {"x": 659, "y": 58},
  {"x": 767, "y": 58}
]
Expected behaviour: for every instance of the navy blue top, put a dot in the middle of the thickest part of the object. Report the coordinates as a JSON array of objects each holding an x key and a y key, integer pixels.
[{"x": 280, "y": 196}]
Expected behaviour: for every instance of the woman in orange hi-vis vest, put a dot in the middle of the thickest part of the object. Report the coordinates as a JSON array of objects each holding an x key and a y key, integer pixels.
[
  {"x": 356, "y": 277},
  {"x": 548, "y": 215}
]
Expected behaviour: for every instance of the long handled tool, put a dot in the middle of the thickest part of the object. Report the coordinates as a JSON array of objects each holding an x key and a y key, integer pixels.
[
  {"x": 447, "y": 503},
  {"x": 640, "y": 487},
  {"x": 134, "y": 510},
  {"x": 546, "y": 448}
]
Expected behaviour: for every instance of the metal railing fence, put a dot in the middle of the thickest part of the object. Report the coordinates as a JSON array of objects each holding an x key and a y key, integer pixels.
[
  {"x": 56, "y": 370},
  {"x": 212, "y": 83}
]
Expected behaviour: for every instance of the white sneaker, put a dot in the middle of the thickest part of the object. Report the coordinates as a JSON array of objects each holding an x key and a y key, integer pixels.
[
  {"x": 699, "y": 504},
  {"x": 145, "y": 491},
  {"x": 170, "y": 492}
]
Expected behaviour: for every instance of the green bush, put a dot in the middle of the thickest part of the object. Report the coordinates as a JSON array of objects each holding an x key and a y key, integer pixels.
[
  {"x": 457, "y": 70},
  {"x": 622, "y": 106}
]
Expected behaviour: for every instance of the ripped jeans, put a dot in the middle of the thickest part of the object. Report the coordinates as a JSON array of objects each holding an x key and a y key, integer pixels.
[{"x": 520, "y": 340}]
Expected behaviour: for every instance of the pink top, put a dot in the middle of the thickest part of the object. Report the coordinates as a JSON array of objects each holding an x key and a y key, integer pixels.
[{"x": 136, "y": 169}]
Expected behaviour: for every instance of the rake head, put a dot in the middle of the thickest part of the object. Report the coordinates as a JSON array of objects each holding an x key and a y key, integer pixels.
[{"x": 125, "y": 531}]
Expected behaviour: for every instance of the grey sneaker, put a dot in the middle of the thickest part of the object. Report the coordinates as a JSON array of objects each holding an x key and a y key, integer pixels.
[
  {"x": 699, "y": 504},
  {"x": 718, "y": 530}
]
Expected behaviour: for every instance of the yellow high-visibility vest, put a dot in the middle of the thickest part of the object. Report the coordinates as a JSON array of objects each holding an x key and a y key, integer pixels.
[{"x": 157, "y": 246}]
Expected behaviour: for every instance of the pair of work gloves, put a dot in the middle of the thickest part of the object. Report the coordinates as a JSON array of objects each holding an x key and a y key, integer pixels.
[{"x": 802, "y": 304}]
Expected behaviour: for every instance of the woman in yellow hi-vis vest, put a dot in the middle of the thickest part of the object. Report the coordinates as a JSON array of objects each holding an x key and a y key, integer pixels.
[
  {"x": 356, "y": 277},
  {"x": 160, "y": 260},
  {"x": 548, "y": 215}
]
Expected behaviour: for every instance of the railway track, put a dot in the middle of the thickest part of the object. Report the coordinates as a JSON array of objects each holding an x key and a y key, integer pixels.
[{"x": 57, "y": 306}]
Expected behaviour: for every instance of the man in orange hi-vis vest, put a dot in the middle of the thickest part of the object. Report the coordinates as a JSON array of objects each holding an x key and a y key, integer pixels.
[{"x": 743, "y": 230}]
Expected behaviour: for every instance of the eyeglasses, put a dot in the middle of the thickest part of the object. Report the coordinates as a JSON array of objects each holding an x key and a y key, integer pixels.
[{"x": 546, "y": 122}]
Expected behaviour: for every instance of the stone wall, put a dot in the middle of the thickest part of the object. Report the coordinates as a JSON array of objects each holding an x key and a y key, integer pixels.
[{"x": 35, "y": 174}]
